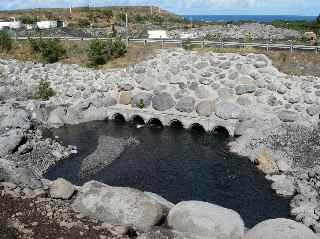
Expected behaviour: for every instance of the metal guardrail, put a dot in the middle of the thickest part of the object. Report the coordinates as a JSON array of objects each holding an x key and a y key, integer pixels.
[{"x": 203, "y": 44}]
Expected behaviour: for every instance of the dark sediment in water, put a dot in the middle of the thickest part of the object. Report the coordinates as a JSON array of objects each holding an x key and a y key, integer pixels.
[{"x": 176, "y": 164}]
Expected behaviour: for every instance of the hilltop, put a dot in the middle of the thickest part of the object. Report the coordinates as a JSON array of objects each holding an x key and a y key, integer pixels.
[{"x": 98, "y": 17}]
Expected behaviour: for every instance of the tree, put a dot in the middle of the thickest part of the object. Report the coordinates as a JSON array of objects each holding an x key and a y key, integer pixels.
[{"x": 99, "y": 52}]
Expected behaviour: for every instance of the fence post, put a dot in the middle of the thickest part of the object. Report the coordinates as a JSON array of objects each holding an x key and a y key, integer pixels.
[
  {"x": 127, "y": 42},
  {"x": 203, "y": 44},
  {"x": 291, "y": 48},
  {"x": 145, "y": 43},
  {"x": 316, "y": 50},
  {"x": 162, "y": 44},
  {"x": 267, "y": 46}
]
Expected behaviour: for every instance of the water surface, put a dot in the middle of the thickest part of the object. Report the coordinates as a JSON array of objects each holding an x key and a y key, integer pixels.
[{"x": 178, "y": 165}]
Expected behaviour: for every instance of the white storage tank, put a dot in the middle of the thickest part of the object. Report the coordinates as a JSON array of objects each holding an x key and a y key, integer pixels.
[
  {"x": 47, "y": 24},
  {"x": 10, "y": 25},
  {"x": 158, "y": 34}
]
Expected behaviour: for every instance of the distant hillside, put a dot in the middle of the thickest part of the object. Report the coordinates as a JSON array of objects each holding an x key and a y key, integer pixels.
[{"x": 100, "y": 17}]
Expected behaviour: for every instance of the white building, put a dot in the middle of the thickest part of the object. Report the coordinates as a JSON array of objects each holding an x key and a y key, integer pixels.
[
  {"x": 10, "y": 25},
  {"x": 185, "y": 35},
  {"x": 47, "y": 24},
  {"x": 158, "y": 34}
]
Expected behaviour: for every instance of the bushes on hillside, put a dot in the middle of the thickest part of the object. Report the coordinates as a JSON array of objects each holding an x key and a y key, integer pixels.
[
  {"x": 51, "y": 50},
  {"x": 5, "y": 42},
  {"x": 44, "y": 91},
  {"x": 100, "y": 52}
]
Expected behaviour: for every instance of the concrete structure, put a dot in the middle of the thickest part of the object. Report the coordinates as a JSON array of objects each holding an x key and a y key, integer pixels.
[
  {"x": 157, "y": 34},
  {"x": 167, "y": 119},
  {"x": 47, "y": 24},
  {"x": 10, "y": 25}
]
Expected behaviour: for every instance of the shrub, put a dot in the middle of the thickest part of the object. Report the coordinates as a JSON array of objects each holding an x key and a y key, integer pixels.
[
  {"x": 5, "y": 41},
  {"x": 140, "y": 104},
  {"x": 99, "y": 52},
  {"x": 51, "y": 50},
  {"x": 44, "y": 91},
  {"x": 187, "y": 45},
  {"x": 210, "y": 36},
  {"x": 83, "y": 22},
  {"x": 119, "y": 48}
]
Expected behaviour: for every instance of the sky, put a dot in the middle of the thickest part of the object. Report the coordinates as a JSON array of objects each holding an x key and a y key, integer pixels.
[{"x": 192, "y": 7}]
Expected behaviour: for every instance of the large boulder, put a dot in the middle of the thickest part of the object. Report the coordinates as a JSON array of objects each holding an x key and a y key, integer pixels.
[
  {"x": 206, "y": 221},
  {"x": 166, "y": 205},
  {"x": 280, "y": 228},
  {"x": 227, "y": 110},
  {"x": 163, "y": 101},
  {"x": 118, "y": 205},
  {"x": 61, "y": 189},
  {"x": 160, "y": 233},
  {"x": 145, "y": 98},
  {"x": 287, "y": 116},
  {"x": 56, "y": 117},
  {"x": 24, "y": 177},
  {"x": 185, "y": 104},
  {"x": 205, "y": 108},
  {"x": 9, "y": 141},
  {"x": 245, "y": 89},
  {"x": 202, "y": 92}
]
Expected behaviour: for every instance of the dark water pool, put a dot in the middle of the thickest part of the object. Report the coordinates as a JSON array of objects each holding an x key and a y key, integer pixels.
[{"x": 178, "y": 165}]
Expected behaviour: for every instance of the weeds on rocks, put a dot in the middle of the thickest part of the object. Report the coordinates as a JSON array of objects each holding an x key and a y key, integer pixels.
[{"x": 44, "y": 91}]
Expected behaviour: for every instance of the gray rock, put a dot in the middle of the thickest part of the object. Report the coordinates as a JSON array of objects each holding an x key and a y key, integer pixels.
[
  {"x": 294, "y": 100},
  {"x": 244, "y": 100},
  {"x": 185, "y": 104},
  {"x": 103, "y": 101},
  {"x": 24, "y": 177},
  {"x": 205, "y": 108},
  {"x": 9, "y": 141},
  {"x": 202, "y": 92},
  {"x": 245, "y": 89},
  {"x": 15, "y": 119},
  {"x": 206, "y": 221},
  {"x": 287, "y": 116},
  {"x": 313, "y": 110},
  {"x": 56, "y": 117},
  {"x": 227, "y": 110},
  {"x": 166, "y": 205},
  {"x": 144, "y": 97},
  {"x": 61, "y": 189},
  {"x": 280, "y": 228},
  {"x": 260, "y": 64},
  {"x": 160, "y": 233},
  {"x": 225, "y": 92},
  {"x": 117, "y": 205},
  {"x": 163, "y": 101},
  {"x": 140, "y": 70}
]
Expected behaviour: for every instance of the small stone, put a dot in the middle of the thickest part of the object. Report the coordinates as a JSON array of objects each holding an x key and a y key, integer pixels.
[{"x": 61, "y": 189}]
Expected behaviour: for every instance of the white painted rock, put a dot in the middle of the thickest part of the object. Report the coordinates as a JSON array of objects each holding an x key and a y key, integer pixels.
[{"x": 206, "y": 221}]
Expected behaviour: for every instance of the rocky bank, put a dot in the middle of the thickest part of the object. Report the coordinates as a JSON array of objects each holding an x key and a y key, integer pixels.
[{"x": 275, "y": 116}]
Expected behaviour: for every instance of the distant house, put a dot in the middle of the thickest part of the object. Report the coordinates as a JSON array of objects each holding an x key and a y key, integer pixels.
[
  {"x": 47, "y": 24},
  {"x": 10, "y": 24},
  {"x": 185, "y": 35},
  {"x": 157, "y": 34}
]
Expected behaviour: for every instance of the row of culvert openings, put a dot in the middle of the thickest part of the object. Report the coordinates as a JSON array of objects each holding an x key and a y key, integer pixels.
[{"x": 138, "y": 120}]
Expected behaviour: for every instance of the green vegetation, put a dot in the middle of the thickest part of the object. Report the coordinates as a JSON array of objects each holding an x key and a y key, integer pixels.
[
  {"x": 50, "y": 50},
  {"x": 5, "y": 42},
  {"x": 140, "y": 104},
  {"x": 187, "y": 45},
  {"x": 100, "y": 52},
  {"x": 44, "y": 91},
  {"x": 295, "y": 25}
]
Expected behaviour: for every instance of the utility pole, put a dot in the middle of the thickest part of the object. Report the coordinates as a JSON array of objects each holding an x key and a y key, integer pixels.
[
  {"x": 151, "y": 10},
  {"x": 127, "y": 32}
]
